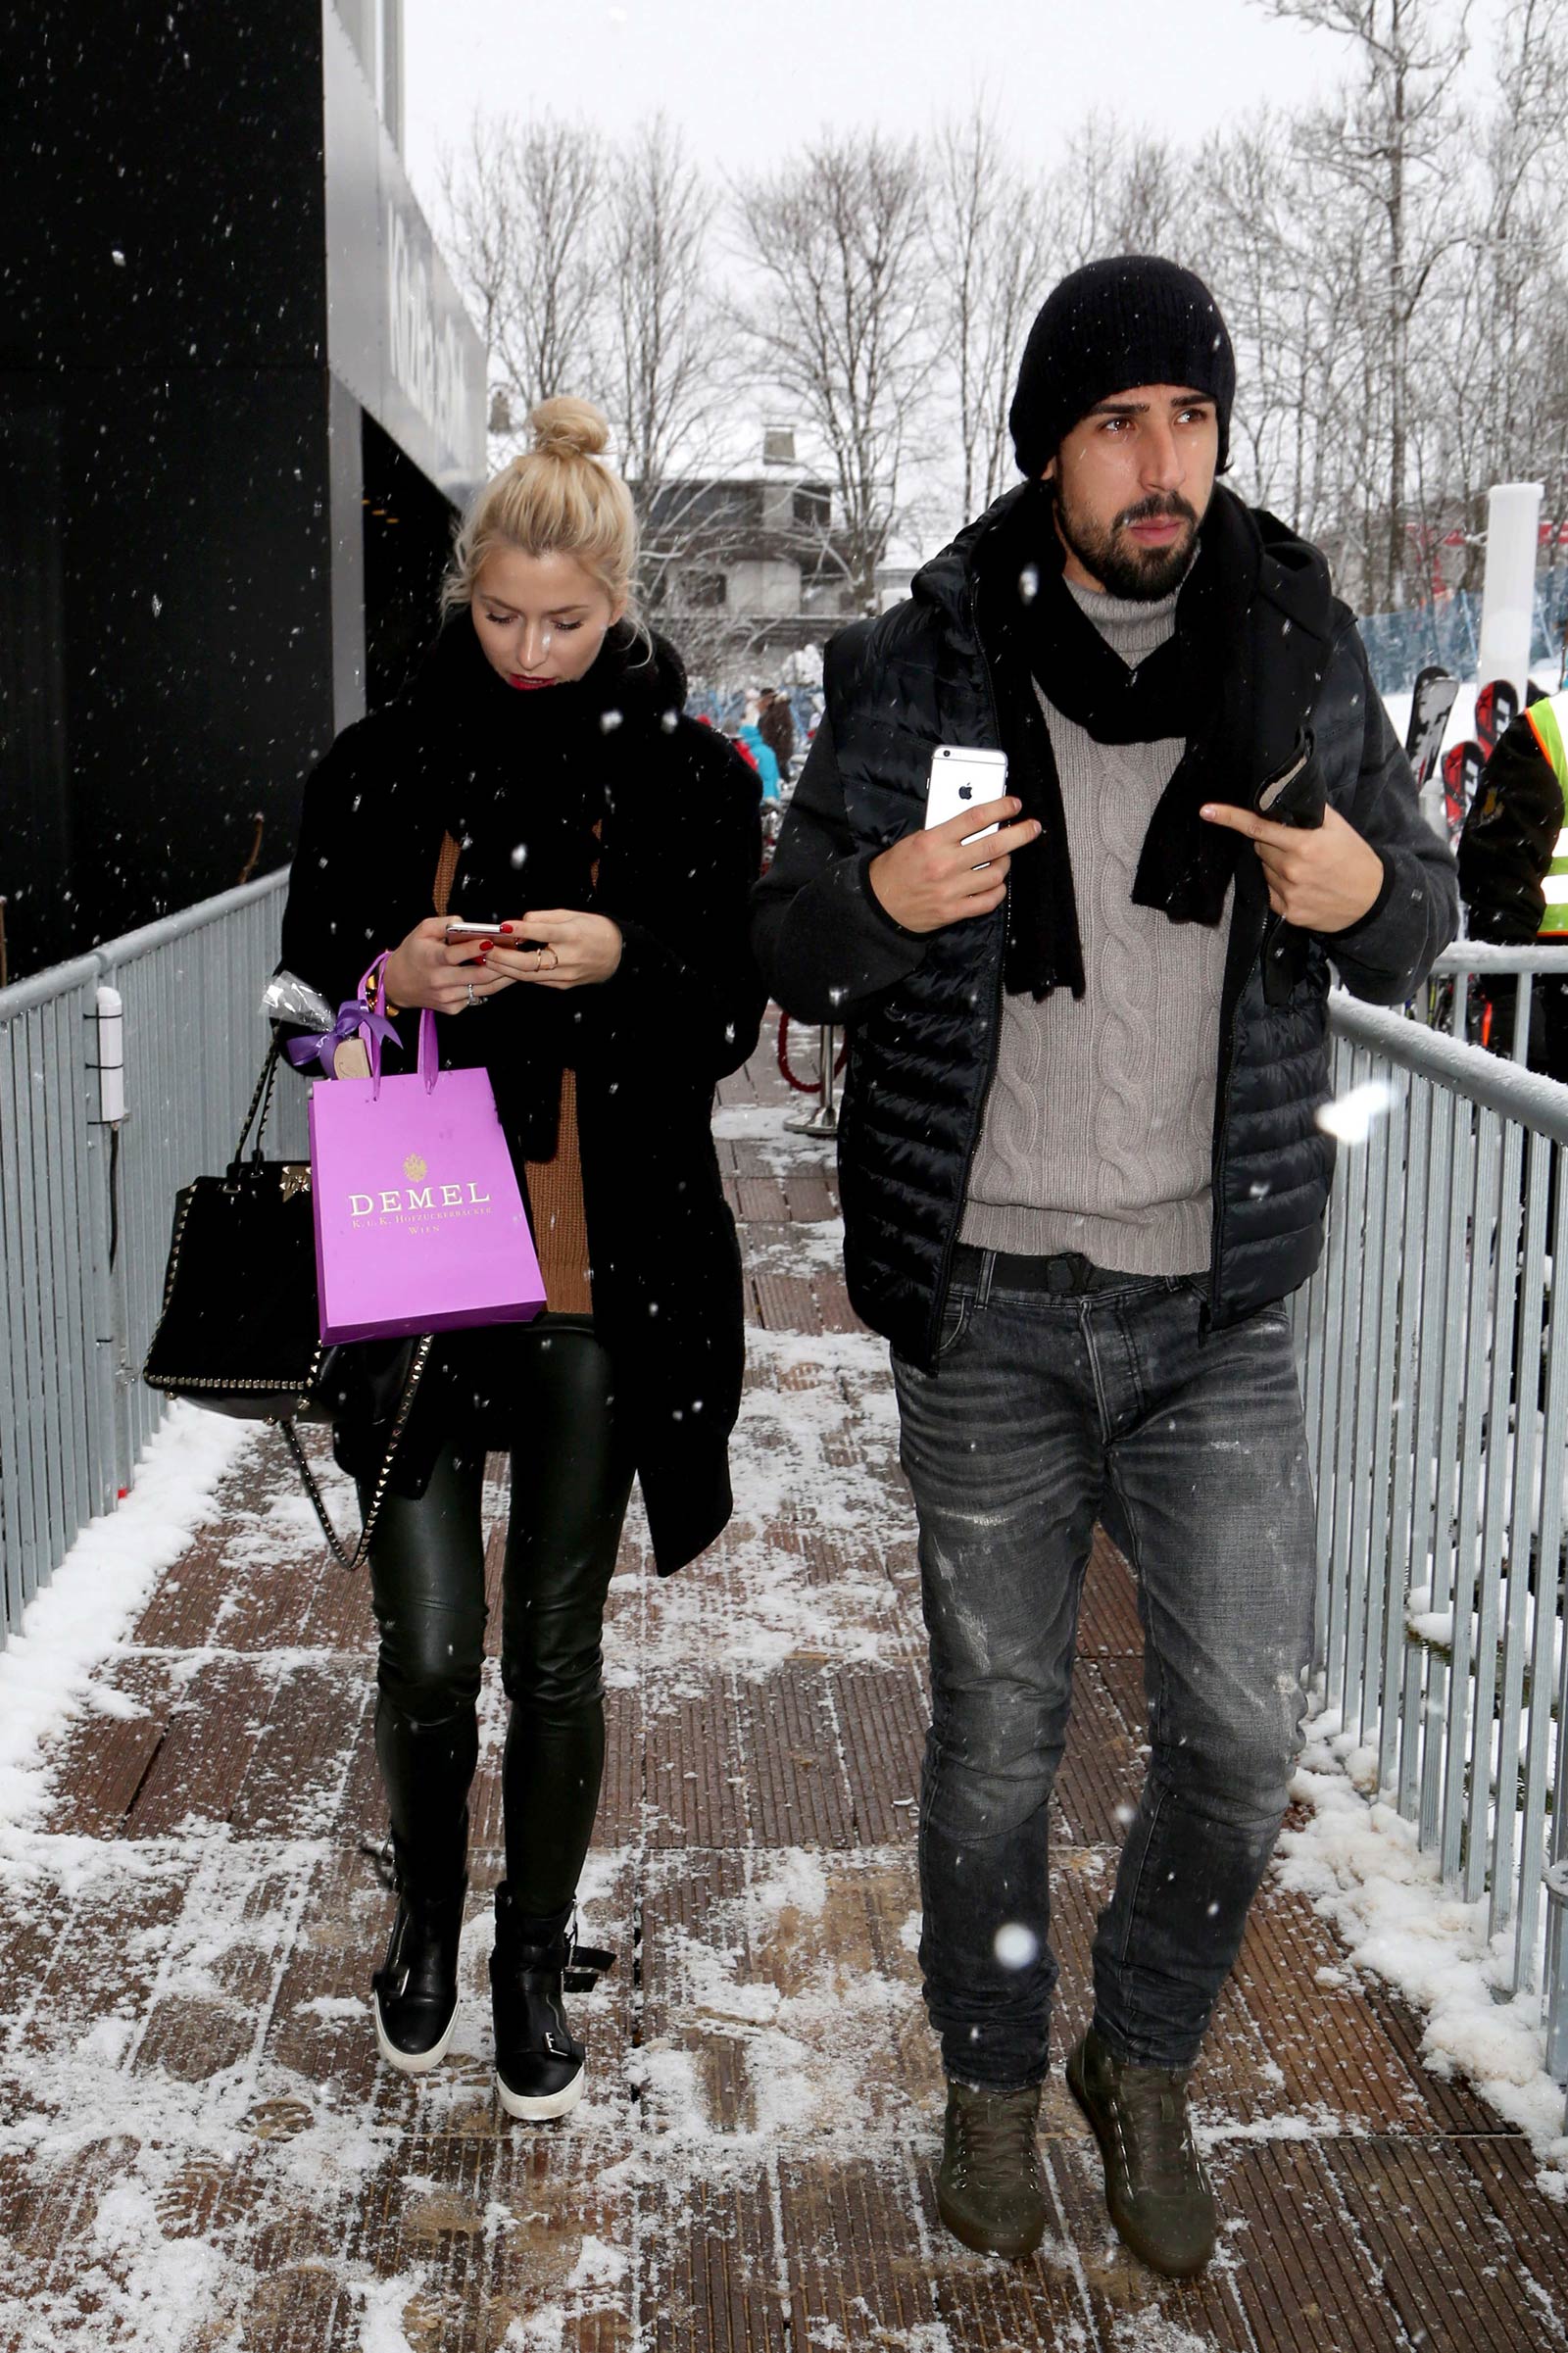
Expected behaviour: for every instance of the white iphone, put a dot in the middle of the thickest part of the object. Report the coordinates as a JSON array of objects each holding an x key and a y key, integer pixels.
[{"x": 961, "y": 779}]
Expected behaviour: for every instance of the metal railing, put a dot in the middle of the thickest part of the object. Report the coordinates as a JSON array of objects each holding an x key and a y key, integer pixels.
[
  {"x": 86, "y": 1201},
  {"x": 1476, "y": 959},
  {"x": 1434, "y": 1372},
  {"x": 1436, "y": 1384}
]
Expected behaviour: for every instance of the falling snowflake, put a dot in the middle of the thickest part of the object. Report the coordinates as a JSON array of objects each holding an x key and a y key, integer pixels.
[
  {"x": 1014, "y": 1945},
  {"x": 1350, "y": 1116}
]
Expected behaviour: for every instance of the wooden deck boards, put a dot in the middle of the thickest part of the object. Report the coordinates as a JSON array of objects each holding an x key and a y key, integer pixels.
[{"x": 193, "y": 2122}]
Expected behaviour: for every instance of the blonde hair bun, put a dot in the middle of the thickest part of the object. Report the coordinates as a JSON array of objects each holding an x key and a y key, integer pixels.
[
  {"x": 568, "y": 428},
  {"x": 560, "y": 497}
]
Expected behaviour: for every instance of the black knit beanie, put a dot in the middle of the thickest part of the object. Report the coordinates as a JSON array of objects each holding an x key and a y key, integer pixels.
[{"x": 1133, "y": 320}]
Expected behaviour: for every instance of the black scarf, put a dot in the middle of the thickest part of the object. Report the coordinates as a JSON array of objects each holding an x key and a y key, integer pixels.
[
  {"x": 526, "y": 776},
  {"x": 1200, "y": 685}
]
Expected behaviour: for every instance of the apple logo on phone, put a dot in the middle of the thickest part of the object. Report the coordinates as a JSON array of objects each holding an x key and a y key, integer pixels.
[{"x": 966, "y": 792}]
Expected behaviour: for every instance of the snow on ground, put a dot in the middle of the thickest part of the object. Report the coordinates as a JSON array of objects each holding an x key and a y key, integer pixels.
[
  {"x": 71, "y": 1628},
  {"x": 1359, "y": 1863},
  {"x": 766, "y": 1124},
  {"x": 780, "y": 1989}
]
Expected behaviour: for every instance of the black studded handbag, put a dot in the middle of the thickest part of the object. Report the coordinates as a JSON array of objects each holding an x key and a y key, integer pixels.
[{"x": 239, "y": 1332}]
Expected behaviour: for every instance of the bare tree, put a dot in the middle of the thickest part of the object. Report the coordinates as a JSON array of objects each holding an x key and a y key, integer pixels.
[
  {"x": 1286, "y": 252},
  {"x": 521, "y": 207},
  {"x": 837, "y": 247},
  {"x": 1390, "y": 139},
  {"x": 987, "y": 235},
  {"x": 1117, "y": 191},
  {"x": 661, "y": 353},
  {"x": 1526, "y": 211},
  {"x": 1501, "y": 395}
]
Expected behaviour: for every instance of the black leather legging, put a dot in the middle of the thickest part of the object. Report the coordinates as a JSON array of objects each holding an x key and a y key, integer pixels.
[{"x": 571, "y": 1481}]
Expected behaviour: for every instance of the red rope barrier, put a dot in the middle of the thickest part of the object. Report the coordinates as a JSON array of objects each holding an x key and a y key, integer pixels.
[{"x": 803, "y": 1086}]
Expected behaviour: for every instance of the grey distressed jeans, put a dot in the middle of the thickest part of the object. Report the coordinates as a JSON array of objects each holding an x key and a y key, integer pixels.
[{"x": 1046, "y": 1411}]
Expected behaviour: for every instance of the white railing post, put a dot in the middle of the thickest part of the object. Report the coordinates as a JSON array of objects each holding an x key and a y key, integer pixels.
[{"x": 1430, "y": 1351}]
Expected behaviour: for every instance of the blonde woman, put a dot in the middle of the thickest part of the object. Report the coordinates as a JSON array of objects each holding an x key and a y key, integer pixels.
[{"x": 608, "y": 844}]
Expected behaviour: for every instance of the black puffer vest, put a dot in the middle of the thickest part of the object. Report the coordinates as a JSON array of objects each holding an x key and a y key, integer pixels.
[{"x": 920, "y": 1064}]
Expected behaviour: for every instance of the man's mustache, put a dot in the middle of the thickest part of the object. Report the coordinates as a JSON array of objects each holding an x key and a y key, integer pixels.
[{"x": 1157, "y": 511}]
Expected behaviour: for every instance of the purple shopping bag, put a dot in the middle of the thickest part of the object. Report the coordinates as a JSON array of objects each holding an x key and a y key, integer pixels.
[{"x": 420, "y": 1223}]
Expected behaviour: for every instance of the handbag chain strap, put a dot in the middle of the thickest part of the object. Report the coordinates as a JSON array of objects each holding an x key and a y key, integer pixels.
[
  {"x": 262, "y": 1098},
  {"x": 445, "y": 868},
  {"x": 405, "y": 1405}
]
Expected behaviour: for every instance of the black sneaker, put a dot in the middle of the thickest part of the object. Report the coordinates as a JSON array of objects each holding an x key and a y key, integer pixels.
[
  {"x": 539, "y": 2062},
  {"x": 415, "y": 1991},
  {"x": 989, "y": 2191},
  {"x": 1157, "y": 2191}
]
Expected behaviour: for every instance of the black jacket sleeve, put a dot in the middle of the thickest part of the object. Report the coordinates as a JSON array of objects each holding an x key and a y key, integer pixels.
[
  {"x": 323, "y": 935},
  {"x": 363, "y": 871},
  {"x": 828, "y": 947},
  {"x": 679, "y": 893},
  {"x": 1386, "y": 954},
  {"x": 1509, "y": 839}
]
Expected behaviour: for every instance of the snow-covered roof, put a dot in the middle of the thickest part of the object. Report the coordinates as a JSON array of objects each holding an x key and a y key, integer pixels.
[{"x": 731, "y": 450}]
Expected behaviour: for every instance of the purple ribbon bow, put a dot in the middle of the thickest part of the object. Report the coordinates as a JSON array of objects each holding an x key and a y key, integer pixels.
[{"x": 356, "y": 1018}]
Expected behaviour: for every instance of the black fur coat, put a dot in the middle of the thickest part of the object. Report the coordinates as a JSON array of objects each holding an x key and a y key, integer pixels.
[{"x": 521, "y": 780}]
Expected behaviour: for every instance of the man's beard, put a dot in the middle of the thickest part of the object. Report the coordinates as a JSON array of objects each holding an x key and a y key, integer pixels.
[{"x": 1122, "y": 566}]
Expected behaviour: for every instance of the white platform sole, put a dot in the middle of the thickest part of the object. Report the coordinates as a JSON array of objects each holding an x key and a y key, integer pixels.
[
  {"x": 541, "y": 2111},
  {"x": 412, "y": 2063}
]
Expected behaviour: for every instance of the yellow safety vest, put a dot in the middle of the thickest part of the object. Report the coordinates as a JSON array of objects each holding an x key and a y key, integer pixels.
[{"x": 1548, "y": 723}]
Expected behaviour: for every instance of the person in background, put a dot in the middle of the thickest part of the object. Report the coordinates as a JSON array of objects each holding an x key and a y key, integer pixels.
[
  {"x": 776, "y": 726},
  {"x": 539, "y": 774},
  {"x": 1081, "y": 1174},
  {"x": 1513, "y": 870},
  {"x": 750, "y": 737}
]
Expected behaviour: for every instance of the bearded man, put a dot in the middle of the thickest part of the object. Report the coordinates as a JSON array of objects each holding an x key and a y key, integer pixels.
[{"x": 1082, "y": 1173}]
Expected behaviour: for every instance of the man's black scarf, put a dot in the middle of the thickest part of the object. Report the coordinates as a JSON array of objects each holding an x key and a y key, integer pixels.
[{"x": 1200, "y": 685}]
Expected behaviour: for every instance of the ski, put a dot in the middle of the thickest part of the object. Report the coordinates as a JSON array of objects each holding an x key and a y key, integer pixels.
[
  {"x": 1462, "y": 766},
  {"x": 1496, "y": 707},
  {"x": 1430, "y": 701}
]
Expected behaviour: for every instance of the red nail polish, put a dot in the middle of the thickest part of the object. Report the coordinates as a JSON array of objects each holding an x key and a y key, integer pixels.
[
  {"x": 487, "y": 942},
  {"x": 505, "y": 927},
  {"x": 481, "y": 960}
]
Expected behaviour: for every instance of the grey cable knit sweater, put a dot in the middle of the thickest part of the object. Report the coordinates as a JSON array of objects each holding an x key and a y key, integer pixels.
[{"x": 1098, "y": 1126}]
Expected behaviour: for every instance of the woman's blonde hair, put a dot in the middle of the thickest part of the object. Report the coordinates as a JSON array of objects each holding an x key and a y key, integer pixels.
[{"x": 558, "y": 498}]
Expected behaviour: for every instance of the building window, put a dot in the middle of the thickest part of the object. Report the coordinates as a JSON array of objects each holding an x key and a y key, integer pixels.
[
  {"x": 811, "y": 509},
  {"x": 704, "y": 591}
]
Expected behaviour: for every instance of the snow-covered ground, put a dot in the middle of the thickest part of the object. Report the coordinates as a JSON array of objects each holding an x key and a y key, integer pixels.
[
  {"x": 774, "y": 2017},
  {"x": 1361, "y": 1866},
  {"x": 75, "y": 1624}
]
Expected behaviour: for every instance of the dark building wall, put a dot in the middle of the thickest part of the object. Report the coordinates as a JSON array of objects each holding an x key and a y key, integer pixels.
[
  {"x": 182, "y": 478},
  {"x": 198, "y": 630},
  {"x": 408, "y": 544},
  {"x": 163, "y": 339}
]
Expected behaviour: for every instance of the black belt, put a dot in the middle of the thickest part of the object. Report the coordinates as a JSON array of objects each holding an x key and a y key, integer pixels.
[{"x": 1014, "y": 1270}]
